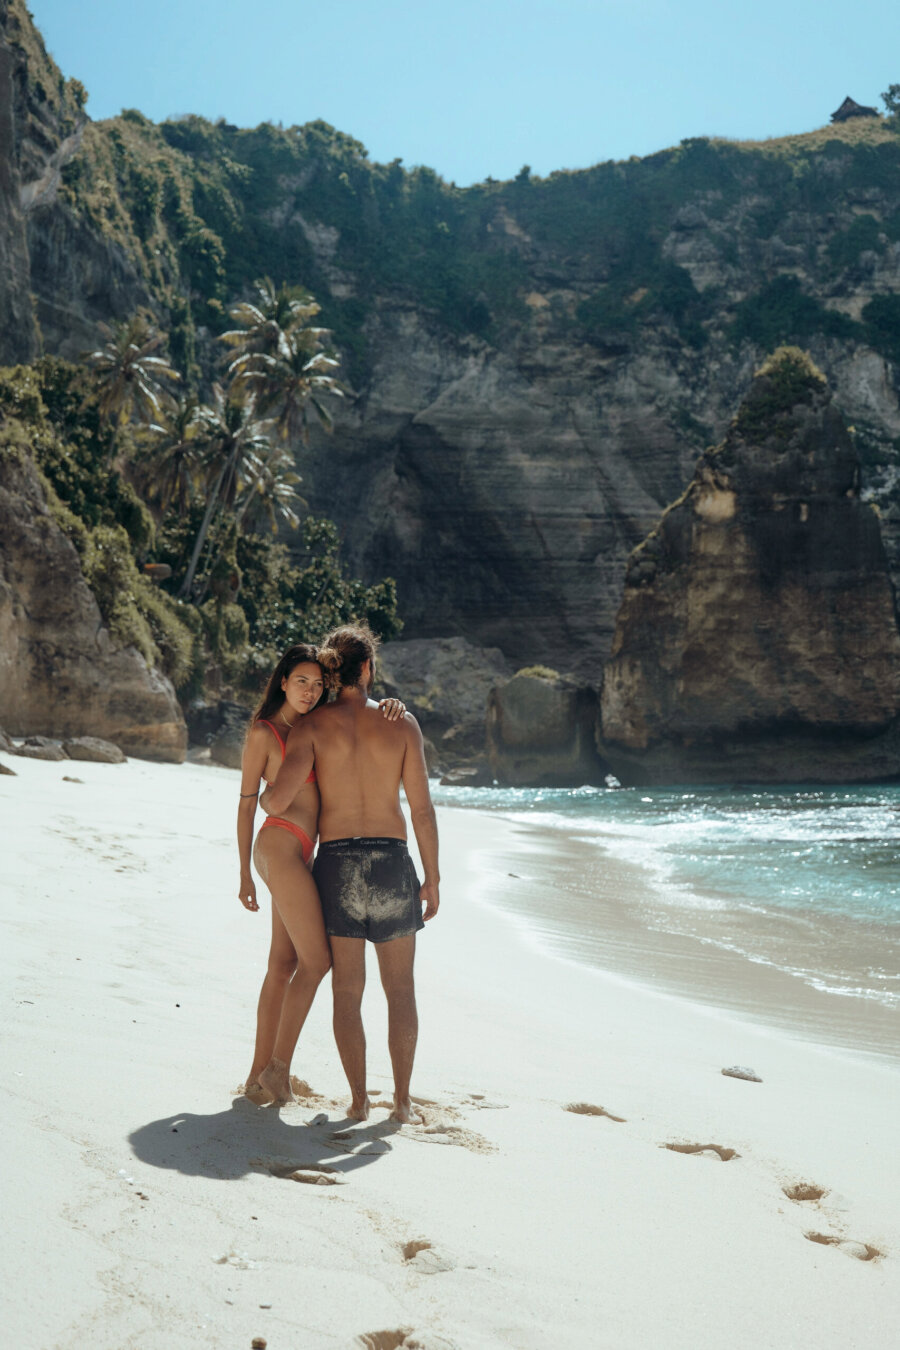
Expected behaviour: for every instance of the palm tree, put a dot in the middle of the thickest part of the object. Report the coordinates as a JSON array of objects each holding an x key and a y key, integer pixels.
[
  {"x": 292, "y": 380},
  {"x": 275, "y": 313},
  {"x": 272, "y": 491},
  {"x": 129, "y": 378},
  {"x": 168, "y": 467},
  {"x": 233, "y": 443}
]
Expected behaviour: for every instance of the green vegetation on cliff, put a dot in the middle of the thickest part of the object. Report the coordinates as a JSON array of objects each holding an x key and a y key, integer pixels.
[{"x": 207, "y": 207}]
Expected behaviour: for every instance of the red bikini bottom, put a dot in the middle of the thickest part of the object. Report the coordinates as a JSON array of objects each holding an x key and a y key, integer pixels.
[{"x": 306, "y": 843}]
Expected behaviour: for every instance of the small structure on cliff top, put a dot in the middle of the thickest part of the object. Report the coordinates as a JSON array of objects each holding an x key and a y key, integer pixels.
[
  {"x": 850, "y": 108},
  {"x": 757, "y": 639}
]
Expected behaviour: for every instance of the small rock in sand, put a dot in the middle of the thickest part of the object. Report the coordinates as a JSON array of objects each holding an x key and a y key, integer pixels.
[
  {"x": 94, "y": 749},
  {"x": 10, "y": 772},
  {"x": 738, "y": 1071},
  {"x": 258, "y": 1342},
  {"x": 67, "y": 778}
]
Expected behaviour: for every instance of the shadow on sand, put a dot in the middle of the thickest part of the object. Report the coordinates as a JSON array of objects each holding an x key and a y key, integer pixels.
[{"x": 246, "y": 1138}]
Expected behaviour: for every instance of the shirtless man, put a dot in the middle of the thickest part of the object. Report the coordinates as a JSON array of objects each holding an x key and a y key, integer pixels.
[{"x": 366, "y": 879}]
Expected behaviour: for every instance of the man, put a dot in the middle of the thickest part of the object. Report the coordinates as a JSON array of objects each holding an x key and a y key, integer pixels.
[{"x": 366, "y": 879}]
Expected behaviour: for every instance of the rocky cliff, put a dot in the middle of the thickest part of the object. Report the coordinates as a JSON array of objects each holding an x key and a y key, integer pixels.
[
  {"x": 757, "y": 638},
  {"x": 60, "y": 673},
  {"x": 18, "y": 336},
  {"x": 537, "y": 365}
]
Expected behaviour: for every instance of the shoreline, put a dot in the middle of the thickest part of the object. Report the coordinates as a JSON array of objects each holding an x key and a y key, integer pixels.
[
  {"x": 614, "y": 922},
  {"x": 166, "y": 1207}
]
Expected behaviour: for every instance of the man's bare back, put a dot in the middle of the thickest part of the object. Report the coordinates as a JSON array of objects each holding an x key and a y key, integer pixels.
[{"x": 359, "y": 761}]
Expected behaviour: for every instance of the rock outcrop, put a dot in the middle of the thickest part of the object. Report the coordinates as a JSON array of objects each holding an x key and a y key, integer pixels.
[
  {"x": 60, "y": 673},
  {"x": 445, "y": 683},
  {"x": 541, "y": 732},
  {"x": 757, "y": 639}
]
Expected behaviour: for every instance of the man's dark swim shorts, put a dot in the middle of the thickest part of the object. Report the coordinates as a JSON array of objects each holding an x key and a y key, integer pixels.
[{"x": 368, "y": 888}]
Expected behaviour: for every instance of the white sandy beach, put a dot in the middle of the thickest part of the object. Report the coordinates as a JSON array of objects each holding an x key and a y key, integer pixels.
[{"x": 146, "y": 1207}]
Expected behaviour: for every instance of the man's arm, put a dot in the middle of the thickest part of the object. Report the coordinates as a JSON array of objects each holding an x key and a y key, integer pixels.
[
  {"x": 294, "y": 771},
  {"x": 421, "y": 811}
]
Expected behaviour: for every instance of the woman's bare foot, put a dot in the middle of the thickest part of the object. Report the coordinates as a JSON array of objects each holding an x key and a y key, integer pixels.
[
  {"x": 254, "y": 1090},
  {"x": 406, "y": 1114},
  {"x": 275, "y": 1080},
  {"x": 358, "y": 1109}
]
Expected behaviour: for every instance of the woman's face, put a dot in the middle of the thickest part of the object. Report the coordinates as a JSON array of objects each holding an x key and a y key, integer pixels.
[{"x": 303, "y": 687}]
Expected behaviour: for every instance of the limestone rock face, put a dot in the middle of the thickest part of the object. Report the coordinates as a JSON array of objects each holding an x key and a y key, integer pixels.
[
  {"x": 18, "y": 336},
  {"x": 541, "y": 733},
  {"x": 757, "y": 638},
  {"x": 60, "y": 673},
  {"x": 445, "y": 683}
]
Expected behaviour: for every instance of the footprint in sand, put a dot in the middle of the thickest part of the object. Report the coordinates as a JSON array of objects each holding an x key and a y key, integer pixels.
[
  {"x": 804, "y": 1190},
  {"x": 586, "y": 1109},
  {"x": 861, "y": 1251},
  {"x": 478, "y": 1102},
  {"x": 310, "y": 1175},
  {"x": 421, "y": 1256},
  {"x": 705, "y": 1150},
  {"x": 403, "y": 1338},
  {"x": 440, "y": 1132}
]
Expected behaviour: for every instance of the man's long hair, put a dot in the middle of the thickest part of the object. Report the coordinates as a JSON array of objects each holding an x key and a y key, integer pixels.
[{"x": 344, "y": 652}]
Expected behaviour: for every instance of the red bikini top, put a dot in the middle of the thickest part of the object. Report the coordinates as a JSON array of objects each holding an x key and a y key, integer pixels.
[{"x": 280, "y": 740}]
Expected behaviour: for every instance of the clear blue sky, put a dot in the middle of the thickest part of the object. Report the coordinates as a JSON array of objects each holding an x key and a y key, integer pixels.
[{"x": 480, "y": 87}]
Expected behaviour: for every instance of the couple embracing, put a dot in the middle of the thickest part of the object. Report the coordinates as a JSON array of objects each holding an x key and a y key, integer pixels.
[{"x": 335, "y": 770}]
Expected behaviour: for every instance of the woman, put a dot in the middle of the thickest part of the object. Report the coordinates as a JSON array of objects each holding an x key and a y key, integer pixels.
[{"x": 299, "y": 956}]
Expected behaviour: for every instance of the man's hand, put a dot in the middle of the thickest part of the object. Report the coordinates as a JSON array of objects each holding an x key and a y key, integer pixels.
[
  {"x": 247, "y": 894},
  {"x": 428, "y": 893}
]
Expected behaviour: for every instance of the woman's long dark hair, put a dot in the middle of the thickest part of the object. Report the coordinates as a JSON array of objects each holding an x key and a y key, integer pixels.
[{"x": 273, "y": 698}]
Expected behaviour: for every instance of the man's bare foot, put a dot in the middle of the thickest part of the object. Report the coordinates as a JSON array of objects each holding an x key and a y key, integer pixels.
[
  {"x": 406, "y": 1114},
  {"x": 254, "y": 1090},
  {"x": 358, "y": 1109},
  {"x": 275, "y": 1080}
]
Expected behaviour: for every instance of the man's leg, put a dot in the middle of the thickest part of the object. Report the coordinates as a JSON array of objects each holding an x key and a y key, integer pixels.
[
  {"x": 395, "y": 961},
  {"x": 348, "y": 980}
]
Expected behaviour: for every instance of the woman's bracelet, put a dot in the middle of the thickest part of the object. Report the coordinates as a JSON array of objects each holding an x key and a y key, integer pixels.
[{"x": 250, "y": 794}]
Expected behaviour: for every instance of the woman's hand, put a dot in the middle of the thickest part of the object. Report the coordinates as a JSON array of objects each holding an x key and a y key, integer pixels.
[
  {"x": 247, "y": 893},
  {"x": 393, "y": 708}
]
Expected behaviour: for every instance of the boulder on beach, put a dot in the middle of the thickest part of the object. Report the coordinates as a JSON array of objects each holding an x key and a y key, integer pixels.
[
  {"x": 40, "y": 747},
  {"x": 93, "y": 749},
  {"x": 226, "y": 744},
  {"x": 540, "y": 731},
  {"x": 445, "y": 683},
  {"x": 469, "y": 775}
]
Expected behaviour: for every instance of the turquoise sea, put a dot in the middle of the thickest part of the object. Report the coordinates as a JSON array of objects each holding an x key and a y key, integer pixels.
[{"x": 803, "y": 880}]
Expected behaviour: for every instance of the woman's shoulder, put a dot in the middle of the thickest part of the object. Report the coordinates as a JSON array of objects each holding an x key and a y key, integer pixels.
[{"x": 259, "y": 733}]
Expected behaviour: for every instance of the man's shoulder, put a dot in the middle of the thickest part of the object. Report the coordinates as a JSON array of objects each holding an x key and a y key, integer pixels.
[{"x": 403, "y": 725}]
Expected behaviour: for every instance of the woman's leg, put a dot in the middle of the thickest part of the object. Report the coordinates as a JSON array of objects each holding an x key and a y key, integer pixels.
[
  {"x": 282, "y": 965},
  {"x": 295, "y": 896}
]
